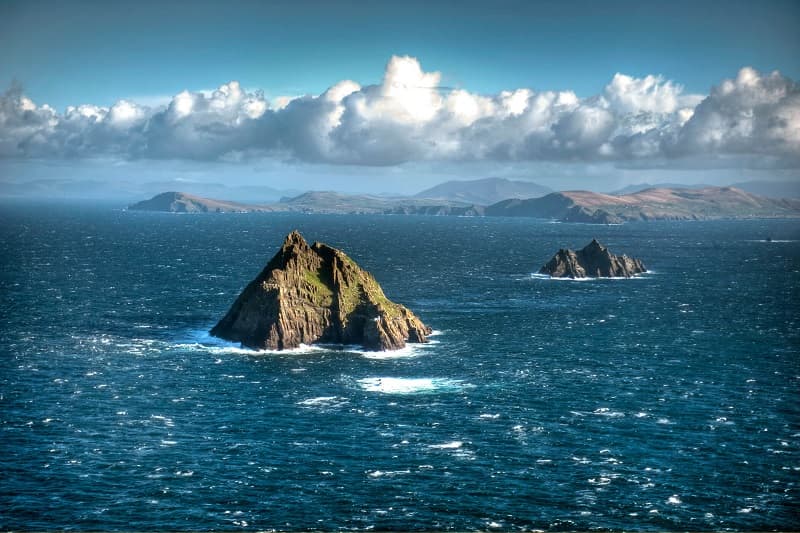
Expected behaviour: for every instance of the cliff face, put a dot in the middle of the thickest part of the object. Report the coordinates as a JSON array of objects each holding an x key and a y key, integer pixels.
[
  {"x": 317, "y": 294},
  {"x": 593, "y": 261}
]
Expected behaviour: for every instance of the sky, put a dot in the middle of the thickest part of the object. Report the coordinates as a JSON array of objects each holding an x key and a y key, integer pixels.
[{"x": 397, "y": 96}]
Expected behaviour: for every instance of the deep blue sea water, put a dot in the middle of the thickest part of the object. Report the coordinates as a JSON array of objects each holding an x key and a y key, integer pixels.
[{"x": 666, "y": 402}]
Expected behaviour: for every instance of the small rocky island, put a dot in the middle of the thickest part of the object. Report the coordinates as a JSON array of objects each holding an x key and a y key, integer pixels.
[
  {"x": 593, "y": 261},
  {"x": 317, "y": 294}
]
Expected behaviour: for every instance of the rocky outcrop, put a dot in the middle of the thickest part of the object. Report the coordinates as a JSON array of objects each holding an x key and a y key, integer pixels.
[
  {"x": 593, "y": 261},
  {"x": 317, "y": 294}
]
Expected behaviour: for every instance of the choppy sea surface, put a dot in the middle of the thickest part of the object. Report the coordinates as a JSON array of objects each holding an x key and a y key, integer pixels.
[{"x": 666, "y": 402}]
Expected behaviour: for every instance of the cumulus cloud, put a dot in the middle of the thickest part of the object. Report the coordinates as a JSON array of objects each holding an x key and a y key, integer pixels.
[
  {"x": 751, "y": 114},
  {"x": 410, "y": 117}
]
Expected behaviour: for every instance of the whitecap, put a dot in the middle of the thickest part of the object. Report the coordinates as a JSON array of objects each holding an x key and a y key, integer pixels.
[
  {"x": 323, "y": 401},
  {"x": 408, "y": 351},
  {"x": 387, "y": 473},
  {"x": 548, "y": 277},
  {"x": 203, "y": 340},
  {"x": 487, "y": 416},
  {"x": 605, "y": 411},
  {"x": 390, "y": 385},
  {"x": 316, "y": 401},
  {"x": 674, "y": 500},
  {"x": 230, "y": 348},
  {"x": 453, "y": 445},
  {"x": 601, "y": 278},
  {"x": 166, "y": 420}
]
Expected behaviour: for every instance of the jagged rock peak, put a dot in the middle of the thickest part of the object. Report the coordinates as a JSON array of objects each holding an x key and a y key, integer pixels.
[
  {"x": 317, "y": 294},
  {"x": 294, "y": 239},
  {"x": 595, "y": 246},
  {"x": 593, "y": 261}
]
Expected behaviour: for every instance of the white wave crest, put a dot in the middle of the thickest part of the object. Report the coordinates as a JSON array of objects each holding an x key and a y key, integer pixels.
[
  {"x": 409, "y": 351},
  {"x": 202, "y": 340},
  {"x": 643, "y": 275},
  {"x": 454, "y": 445},
  {"x": 389, "y": 385},
  {"x": 323, "y": 401},
  {"x": 387, "y": 473},
  {"x": 605, "y": 411}
]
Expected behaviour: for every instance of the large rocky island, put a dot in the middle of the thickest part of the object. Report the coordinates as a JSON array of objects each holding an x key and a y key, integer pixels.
[
  {"x": 593, "y": 261},
  {"x": 317, "y": 294}
]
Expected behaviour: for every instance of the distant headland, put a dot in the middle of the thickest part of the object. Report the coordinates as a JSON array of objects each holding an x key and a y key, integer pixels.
[{"x": 657, "y": 203}]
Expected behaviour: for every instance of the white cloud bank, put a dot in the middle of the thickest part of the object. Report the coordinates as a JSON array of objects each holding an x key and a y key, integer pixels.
[{"x": 408, "y": 117}]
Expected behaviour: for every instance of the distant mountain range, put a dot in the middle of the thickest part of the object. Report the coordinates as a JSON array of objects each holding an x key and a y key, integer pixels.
[
  {"x": 125, "y": 190},
  {"x": 650, "y": 204},
  {"x": 451, "y": 198},
  {"x": 484, "y": 191},
  {"x": 333, "y": 202},
  {"x": 638, "y": 187},
  {"x": 770, "y": 189},
  {"x": 569, "y": 206},
  {"x": 320, "y": 202}
]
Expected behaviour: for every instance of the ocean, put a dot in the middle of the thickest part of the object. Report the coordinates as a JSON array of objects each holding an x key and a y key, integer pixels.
[{"x": 664, "y": 402}]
